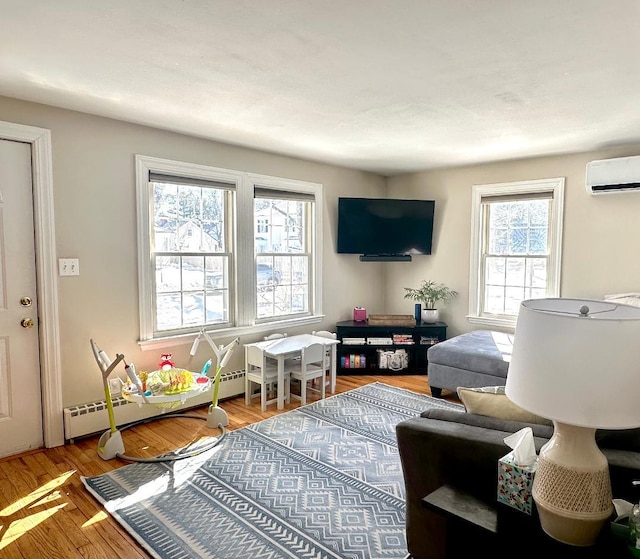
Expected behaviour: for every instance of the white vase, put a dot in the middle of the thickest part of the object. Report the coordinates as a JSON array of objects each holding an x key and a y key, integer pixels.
[{"x": 429, "y": 315}]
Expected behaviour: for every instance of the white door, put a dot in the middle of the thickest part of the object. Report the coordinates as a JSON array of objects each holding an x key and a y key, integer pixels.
[{"x": 20, "y": 395}]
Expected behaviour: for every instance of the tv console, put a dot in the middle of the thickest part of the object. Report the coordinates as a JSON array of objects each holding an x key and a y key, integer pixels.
[{"x": 366, "y": 349}]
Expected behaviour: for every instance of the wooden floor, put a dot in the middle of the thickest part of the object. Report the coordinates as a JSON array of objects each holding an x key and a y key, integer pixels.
[{"x": 45, "y": 511}]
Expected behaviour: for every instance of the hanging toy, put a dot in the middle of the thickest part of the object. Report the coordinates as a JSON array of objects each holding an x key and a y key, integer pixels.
[
  {"x": 165, "y": 362},
  {"x": 143, "y": 376}
]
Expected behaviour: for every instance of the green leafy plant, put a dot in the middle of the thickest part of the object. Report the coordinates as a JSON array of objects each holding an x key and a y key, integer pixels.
[{"x": 430, "y": 293}]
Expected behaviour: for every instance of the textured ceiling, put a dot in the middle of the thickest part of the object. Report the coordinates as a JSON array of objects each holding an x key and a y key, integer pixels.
[{"x": 389, "y": 87}]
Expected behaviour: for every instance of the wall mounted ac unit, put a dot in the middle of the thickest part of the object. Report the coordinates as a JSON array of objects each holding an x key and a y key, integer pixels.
[{"x": 606, "y": 176}]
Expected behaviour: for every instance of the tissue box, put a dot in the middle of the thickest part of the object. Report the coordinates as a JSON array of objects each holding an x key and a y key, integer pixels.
[
  {"x": 515, "y": 483},
  {"x": 359, "y": 314}
]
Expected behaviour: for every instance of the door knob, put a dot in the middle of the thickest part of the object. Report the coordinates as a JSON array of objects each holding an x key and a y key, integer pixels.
[
  {"x": 25, "y": 301},
  {"x": 27, "y": 322}
]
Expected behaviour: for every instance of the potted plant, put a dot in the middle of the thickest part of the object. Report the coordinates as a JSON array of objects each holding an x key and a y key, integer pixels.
[{"x": 429, "y": 294}]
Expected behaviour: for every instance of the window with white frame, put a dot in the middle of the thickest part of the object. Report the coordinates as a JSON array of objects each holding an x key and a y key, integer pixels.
[
  {"x": 224, "y": 250},
  {"x": 283, "y": 252},
  {"x": 516, "y": 247}
]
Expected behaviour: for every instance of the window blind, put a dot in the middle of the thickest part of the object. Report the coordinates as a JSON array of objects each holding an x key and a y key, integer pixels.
[
  {"x": 274, "y": 193},
  {"x": 504, "y": 198},
  {"x": 189, "y": 181}
]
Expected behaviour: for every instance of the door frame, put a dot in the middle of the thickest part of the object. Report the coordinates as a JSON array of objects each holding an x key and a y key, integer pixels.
[{"x": 46, "y": 276}]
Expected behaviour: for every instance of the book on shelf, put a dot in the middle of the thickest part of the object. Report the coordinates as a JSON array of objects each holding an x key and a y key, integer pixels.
[
  {"x": 426, "y": 340},
  {"x": 353, "y": 361},
  {"x": 354, "y": 341},
  {"x": 403, "y": 339},
  {"x": 380, "y": 341}
]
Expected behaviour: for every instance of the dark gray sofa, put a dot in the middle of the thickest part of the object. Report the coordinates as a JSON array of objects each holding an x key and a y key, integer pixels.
[{"x": 462, "y": 450}]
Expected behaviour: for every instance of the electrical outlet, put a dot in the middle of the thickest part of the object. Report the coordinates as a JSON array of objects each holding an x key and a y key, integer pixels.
[
  {"x": 115, "y": 386},
  {"x": 68, "y": 266}
]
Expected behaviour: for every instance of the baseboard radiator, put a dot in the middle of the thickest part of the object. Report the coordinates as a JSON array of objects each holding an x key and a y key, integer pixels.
[{"x": 92, "y": 418}]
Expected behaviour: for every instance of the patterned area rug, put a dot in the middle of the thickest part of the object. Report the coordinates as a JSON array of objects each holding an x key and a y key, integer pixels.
[{"x": 321, "y": 481}]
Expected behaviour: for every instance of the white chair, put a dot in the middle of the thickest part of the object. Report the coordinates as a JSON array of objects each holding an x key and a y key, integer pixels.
[
  {"x": 275, "y": 336},
  {"x": 325, "y": 334},
  {"x": 328, "y": 351},
  {"x": 259, "y": 370},
  {"x": 311, "y": 367}
]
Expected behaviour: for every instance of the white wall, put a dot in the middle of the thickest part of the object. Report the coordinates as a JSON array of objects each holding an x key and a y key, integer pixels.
[
  {"x": 95, "y": 216},
  {"x": 601, "y": 246},
  {"x": 94, "y": 190}
]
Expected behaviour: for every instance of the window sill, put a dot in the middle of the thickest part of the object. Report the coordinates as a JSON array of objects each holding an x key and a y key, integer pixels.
[
  {"x": 253, "y": 331},
  {"x": 494, "y": 322}
]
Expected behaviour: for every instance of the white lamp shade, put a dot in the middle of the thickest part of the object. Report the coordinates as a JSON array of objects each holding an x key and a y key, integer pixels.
[{"x": 579, "y": 369}]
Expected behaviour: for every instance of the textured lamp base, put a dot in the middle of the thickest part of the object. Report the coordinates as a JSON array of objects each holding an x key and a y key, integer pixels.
[
  {"x": 573, "y": 531},
  {"x": 572, "y": 488}
]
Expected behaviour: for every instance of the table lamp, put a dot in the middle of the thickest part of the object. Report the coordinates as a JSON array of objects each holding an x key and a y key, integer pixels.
[{"x": 577, "y": 363}]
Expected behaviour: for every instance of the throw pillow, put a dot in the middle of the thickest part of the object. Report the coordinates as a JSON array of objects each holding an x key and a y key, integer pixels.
[{"x": 493, "y": 402}]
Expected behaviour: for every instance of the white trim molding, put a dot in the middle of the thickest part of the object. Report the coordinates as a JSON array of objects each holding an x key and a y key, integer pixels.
[
  {"x": 47, "y": 280},
  {"x": 244, "y": 321},
  {"x": 553, "y": 185}
]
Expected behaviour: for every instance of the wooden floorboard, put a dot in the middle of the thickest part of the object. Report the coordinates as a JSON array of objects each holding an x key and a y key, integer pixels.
[{"x": 45, "y": 511}]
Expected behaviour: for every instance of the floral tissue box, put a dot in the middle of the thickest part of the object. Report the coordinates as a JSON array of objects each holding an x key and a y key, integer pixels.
[{"x": 515, "y": 483}]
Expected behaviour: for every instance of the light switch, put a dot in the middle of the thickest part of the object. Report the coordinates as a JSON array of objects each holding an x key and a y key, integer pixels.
[{"x": 68, "y": 266}]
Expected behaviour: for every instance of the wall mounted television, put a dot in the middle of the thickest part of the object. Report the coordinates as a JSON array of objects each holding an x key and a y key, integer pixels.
[{"x": 385, "y": 228}]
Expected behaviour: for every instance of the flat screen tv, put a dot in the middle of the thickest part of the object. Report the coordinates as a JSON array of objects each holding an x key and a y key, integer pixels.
[{"x": 384, "y": 226}]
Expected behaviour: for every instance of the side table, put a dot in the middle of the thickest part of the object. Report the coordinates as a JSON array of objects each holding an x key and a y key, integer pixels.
[{"x": 474, "y": 526}]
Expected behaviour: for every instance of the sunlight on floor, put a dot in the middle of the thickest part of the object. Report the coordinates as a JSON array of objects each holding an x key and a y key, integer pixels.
[
  {"x": 18, "y": 527},
  {"x": 40, "y": 497},
  {"x": 177, "y": 473},
  {"x": 37, "y": 494},
  {"x": 98, "y": 517},
  {"x": 155, "y": 487}
]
